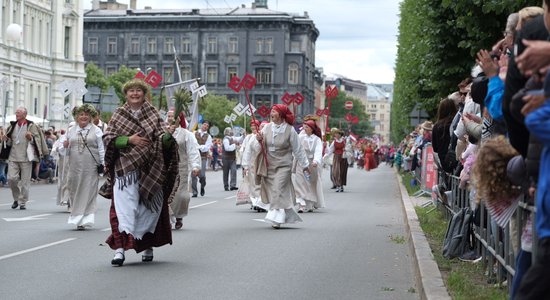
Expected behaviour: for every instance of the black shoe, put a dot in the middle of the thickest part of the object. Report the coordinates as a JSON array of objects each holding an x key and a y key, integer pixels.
[
  {"x": 194, "y": 196},
  {"x": 227, "y": 189},
  {"x": 147, "y": 255},
  {"x": 202, "y": 191},
  {"x": 333, "y": 187},
  {"x": 234, "y": 188},
  {"x": 22, "y": 206},
  {"x": 118, "y": 261},
  {"x": 14, "y": 205}
]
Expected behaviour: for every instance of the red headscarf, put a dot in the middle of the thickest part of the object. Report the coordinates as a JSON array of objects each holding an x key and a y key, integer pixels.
[
  {"x": 284, "y": 112},
  {"x": 314, "y": 127},
  {"x": 255, "y": 123}
]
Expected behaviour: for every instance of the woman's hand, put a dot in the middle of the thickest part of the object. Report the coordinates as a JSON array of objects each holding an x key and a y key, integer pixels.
[
  {"x": 259, "y": 137},
  {"x": 138, "y": 141},
  {"x": 66, "y": 144},
  {"x": 314, "y": 164}
]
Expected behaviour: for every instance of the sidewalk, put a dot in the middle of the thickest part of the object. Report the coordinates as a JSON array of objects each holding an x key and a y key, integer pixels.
[{"x": 428, "y": 277}]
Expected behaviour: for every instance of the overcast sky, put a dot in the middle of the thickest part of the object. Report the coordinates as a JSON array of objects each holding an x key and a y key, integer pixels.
[{"x": 358, "y": 38}]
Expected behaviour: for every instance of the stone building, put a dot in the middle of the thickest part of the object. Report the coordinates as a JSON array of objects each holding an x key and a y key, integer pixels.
[
  {"x": 277, "y": 48},
  {"x": 378, "y": 107},
  {"x": 48, "y": 52}
]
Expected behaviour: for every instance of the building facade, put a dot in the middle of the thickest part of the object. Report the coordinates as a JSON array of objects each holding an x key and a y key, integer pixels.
[
  {"x": 277, "y": 48},
  {"x": 378, "y": 107},
  {"x": 48, "y": 53}
]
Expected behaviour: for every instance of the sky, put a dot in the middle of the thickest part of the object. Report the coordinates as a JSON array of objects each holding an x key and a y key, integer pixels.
[{"x": 357, "y": 40}]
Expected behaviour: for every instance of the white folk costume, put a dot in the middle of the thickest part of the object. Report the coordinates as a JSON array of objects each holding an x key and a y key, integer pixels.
[
  {"x": 281, "y": 144},
  {"x": 85, "y": 152},
  {"x": 59, "y": 154},
  {"x": 189, "y": 159},
  {"x": 309, "y": 193},
  {"x": 251, "y": 149}
]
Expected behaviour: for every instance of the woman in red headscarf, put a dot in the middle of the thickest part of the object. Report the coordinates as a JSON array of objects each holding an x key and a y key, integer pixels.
[
  {"x": 248, "y": 163},
  {"x": 309, "y": 190},
  {"x": 279, "y": 144}
]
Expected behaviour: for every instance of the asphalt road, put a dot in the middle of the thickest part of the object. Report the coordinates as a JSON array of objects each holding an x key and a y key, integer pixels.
[{"x": 355, "y": 248}]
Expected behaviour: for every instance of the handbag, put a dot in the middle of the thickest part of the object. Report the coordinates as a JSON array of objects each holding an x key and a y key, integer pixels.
[
  {"x": 100, "y": 168},
  {"x": 5, "y": 150},
  {"x": 243, "y": 194}
]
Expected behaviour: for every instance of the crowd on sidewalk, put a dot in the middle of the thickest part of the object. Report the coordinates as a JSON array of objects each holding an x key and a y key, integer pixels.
[{"x": 493, "y": 133}]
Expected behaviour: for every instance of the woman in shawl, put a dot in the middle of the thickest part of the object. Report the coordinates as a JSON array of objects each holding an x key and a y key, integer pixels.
[
  {"x": 85, "y": 151},
  {"x": 279, "y": 143},
  {"x": 309, "y": 190},
  {"x": 142, "y": 162}
]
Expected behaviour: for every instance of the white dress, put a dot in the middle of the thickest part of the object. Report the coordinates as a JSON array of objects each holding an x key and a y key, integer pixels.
[
  {"x": 189, "y": 159},
  {"x": 309, "y": 193},
  {"x": 82, "y": 174}
]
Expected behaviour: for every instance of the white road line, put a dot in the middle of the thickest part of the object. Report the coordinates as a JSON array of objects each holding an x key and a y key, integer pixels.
[
  {"x": 12, "y": 203},
  {"x": 207, "y": 203},
  {"x": 199, "y": 205},
  {"x": 35, "y": 248},
  {"x": 231, "y": 197}
]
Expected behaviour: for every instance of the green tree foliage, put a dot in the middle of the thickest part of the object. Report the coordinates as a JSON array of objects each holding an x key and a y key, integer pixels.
[
  {"x": 338, "y": 114},
  {"x": 437, "y": 44},
  {"x": 95, "y": 77},
  {"x": 118, "y": 79},
  {"x": 214, "y": 108}
]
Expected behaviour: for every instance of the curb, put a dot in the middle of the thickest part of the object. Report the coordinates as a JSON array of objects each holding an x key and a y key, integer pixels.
[{"x": 428, "y": 277}]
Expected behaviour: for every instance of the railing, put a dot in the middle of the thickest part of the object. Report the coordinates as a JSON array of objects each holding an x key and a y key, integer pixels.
[{"x": 497, "y": 246}]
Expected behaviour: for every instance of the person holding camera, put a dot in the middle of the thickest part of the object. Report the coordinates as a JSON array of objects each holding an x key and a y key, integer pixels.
[{"x": 85, "y": 154}]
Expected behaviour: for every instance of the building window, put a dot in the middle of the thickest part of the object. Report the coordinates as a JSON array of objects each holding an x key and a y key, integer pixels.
[
  {"x": 92, "y": 45},
  {"x": 168, "y": 45},
  {"x": 293, "y": 73},
  {"x": 185, "y": 73},
  {"x": 382, "y": 106},
  {"x": 373, "y": 117},
  {"x": 233, "y": 46},
  {"x": 263, "y": 75},
  {"x": 259, "y": 46},
  {"x": 111, "y": 45},
  {"x": 268, "y": 46},
  {"x": 151, "y": 45},
  {"x": 67, "y": 42},
  {"x": 110, "y": 70},
  {"x": 261, "y": 100},
  {"x": 295, "y": 46},
  {"x": 381, "y": 127},
  {"x": 185, "y": 45},
  {"x": 231, "y": 71},
  {"x": 211, "y": 75},
  {"x": 134, "y": 45},
  {"x": 212, "y": 45},
  {"x": 381, "y": 117},
  {"x": 168, "y": 74}
]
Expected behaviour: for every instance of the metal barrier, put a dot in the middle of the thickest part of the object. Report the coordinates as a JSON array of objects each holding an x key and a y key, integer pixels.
[{"x": 494, "y": 244}]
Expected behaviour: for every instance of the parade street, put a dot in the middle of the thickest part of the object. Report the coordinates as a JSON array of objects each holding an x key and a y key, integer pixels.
[{"x": 355, "y": 248}]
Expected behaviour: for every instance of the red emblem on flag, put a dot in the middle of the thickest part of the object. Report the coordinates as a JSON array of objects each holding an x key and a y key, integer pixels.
[
  {"x": 263, "y": 111},
  {"x": 331, "y": 92},
  {"x": 139, "y": 75},
  {"x": 153, "y": 79},
  {"x": 236, "y": 84}
]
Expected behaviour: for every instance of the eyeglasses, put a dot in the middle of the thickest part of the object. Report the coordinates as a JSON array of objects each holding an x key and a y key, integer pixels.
[{"x": 463, "y": 94}]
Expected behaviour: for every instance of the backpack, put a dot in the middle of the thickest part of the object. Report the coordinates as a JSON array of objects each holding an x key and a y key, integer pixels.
[{"x": 459, "y": 233}]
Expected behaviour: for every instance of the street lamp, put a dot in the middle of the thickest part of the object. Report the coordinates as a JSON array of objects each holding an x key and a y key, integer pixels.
[{"x": 14, "y": 32}]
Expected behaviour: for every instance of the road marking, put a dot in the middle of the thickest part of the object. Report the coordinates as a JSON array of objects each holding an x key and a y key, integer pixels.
[
  {"x": 29, "y": 218},
  {"x": 259, "y": 220},
  {"x": 207, "y": 203},
  {"x": 35, "y": 248},
  {"x": 9, "y": 204},
  {"x": 231, "y": 197},
  {"x": 199, "y": 205}
]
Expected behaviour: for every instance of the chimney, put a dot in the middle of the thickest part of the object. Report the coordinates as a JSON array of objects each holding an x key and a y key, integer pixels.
[
  {"x": 95, "y": 4},
  {"x": 306, "y": 15},
  {"x": 147, "y": 7},
  {"x": 253, "y": 5},
  {"x": 133, "y": 4}
]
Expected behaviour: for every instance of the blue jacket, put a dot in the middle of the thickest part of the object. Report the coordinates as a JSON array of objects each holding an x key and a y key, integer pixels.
[
  {"x": 538, "y": 123},
  {"x": 493, "y": 100}
]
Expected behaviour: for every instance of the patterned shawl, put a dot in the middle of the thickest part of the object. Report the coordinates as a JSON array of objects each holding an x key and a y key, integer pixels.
[{"x": 153, "y": 167}]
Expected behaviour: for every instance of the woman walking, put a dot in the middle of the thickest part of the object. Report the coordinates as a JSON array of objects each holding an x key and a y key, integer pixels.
[
  {"x": 308, "y": 186},
  {"x": 142, "y": 160},
  {"x": 84, "y": 148},
  {"x": 339, "y": 164},
  {"x": 274, "y": 166}
]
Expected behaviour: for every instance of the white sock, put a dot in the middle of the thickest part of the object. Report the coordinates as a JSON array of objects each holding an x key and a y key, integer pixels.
[{"x": 119, "y": 253}]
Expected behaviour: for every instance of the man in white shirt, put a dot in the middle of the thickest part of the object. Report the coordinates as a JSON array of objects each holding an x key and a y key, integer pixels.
[{"x": 205, "y": 143}]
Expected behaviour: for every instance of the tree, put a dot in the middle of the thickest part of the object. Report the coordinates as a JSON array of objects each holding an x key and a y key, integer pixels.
[
  {"x": 95, "y": 77},
  {"x": 338, "y": 114},
  {"x": 437, "y": 42},
  {"x": 118, "y": 79},
  {"x": 214, "y": 108}
]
